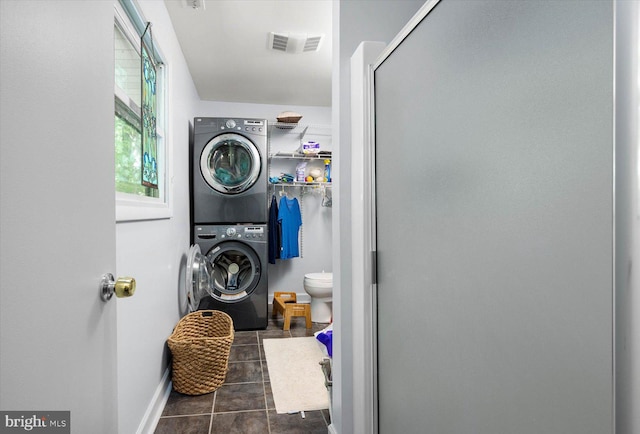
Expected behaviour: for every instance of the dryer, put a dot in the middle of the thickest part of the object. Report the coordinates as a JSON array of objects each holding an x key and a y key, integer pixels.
[
  {"x": 229, "y": 171},
  {"x": 227, "y": 271}
]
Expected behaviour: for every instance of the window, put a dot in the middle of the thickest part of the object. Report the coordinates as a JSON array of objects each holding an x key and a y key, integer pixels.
[{"x": 136, "y": 200}]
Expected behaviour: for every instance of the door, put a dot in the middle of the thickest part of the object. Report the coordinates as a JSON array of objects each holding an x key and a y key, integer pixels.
[
  {"x": 197, "y": 278},
  {"x": 58, "y": 338},
  {"x": 493, "y": 182}
]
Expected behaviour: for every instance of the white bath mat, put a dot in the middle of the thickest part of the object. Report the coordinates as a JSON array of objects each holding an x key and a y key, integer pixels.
[{"x": 297, "y": 381}]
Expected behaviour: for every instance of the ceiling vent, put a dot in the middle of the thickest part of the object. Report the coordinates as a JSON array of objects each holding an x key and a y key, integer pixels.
[
  {"x": 294, "y": 42},
  {"x": 193, "y": 4}
]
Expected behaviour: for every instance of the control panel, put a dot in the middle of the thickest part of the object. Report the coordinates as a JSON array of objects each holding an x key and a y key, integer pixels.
[
  {"x": 254, "y": 126},
  {"x": 250, "y": 126},
  {"x": 254, "y": 232},
  {"x": 230, "y": 232}
]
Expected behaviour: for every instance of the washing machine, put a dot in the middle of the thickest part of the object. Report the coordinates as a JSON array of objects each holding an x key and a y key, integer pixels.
[
  {"x": 227, "y": 271},
  {"x": 229, "y": 171}
]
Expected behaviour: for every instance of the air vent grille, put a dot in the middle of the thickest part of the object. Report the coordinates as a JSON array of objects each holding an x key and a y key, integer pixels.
[
  {"x": 312, "y": 43},
  {"x": 193, "y": 4},
  {"x": 279, "y": 42},
  {"x": 294, "y": 42}
]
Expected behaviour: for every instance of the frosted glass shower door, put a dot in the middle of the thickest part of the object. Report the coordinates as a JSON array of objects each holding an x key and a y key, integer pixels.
[{"x": 493, "y": 180}]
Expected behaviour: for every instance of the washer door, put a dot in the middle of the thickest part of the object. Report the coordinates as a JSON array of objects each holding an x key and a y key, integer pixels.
[
  {"x": 198, "y": 277},
  {"x": 230, "y": 163},
  {"x": 235, "y": 271}
]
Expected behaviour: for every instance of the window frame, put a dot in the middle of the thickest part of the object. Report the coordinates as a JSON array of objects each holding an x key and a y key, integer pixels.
[{"x": 131, "y": 207}]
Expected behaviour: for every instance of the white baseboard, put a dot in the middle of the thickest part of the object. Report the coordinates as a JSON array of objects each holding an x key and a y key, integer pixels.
[
  {"x": 154, "y": 410},
  {"x": 331, "y": 429}
]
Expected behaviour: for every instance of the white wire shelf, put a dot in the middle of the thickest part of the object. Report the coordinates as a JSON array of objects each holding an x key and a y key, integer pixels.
[
  {"x": 300, "y": 184},
  {"x": 298, "y": 156},
  {"x": 285, "y": 125}
]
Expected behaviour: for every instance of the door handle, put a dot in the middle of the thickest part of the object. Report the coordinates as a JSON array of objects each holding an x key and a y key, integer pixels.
[{"x": 123, "y": 287}]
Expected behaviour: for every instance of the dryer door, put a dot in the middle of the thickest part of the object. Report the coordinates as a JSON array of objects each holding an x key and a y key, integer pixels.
[
  {"x": 235, "y": 271},
  {"x": 230, "y": 163},
  {"x": 198, "y": 277}
]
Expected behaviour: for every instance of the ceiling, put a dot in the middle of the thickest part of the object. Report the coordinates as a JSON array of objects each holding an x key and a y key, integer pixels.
[{"x": 226, "y": 46}]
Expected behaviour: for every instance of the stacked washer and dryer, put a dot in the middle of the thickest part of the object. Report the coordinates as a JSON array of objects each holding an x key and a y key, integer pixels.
[{"x": 227, "y": 262}]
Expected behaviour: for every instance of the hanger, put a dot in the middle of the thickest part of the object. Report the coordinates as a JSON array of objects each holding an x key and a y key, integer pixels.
[{"x": 285, "y": 192}]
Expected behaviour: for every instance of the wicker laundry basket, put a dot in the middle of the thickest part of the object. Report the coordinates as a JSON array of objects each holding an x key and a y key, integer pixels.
[{"x": 200, "y": 345}]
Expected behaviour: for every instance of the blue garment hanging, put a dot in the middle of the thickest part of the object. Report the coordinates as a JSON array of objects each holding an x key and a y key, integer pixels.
[{"x": 290, "y": 220}]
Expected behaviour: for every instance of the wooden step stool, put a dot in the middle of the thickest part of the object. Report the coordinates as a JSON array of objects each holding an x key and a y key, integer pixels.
[{"x": 286, "y": 304}]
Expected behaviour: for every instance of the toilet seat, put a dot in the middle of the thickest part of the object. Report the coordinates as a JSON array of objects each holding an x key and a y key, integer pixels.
[{"x": 319, "y": 277}]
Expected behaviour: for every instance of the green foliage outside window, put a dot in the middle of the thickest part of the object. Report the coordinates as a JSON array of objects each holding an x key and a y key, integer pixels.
[{"x": 129, "y": 159}]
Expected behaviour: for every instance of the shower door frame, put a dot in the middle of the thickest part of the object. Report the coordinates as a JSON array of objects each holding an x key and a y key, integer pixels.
[{"x": 371, "y": 396}]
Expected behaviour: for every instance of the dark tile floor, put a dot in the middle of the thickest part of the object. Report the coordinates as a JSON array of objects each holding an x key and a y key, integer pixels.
[{"x": 244, "y": 403}]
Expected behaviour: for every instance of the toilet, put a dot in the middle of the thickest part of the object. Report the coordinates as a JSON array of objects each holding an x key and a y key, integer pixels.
[{"x": 320, "y": 287}]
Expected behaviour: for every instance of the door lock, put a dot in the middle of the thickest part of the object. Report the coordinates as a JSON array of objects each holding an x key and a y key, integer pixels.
[{"x": 123, "y": 287}]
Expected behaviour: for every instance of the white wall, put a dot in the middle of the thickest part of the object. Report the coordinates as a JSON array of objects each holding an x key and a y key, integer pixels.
[
  {"x": 354, "y": 22},
  {"x": 154, "y": 251},
  {"x": 316, "y": 228}
]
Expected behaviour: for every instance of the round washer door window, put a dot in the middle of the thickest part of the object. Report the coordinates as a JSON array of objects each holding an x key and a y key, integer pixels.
[
  {"x": 230, "y": 163},
  {"x": 235, "y": 271}
]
